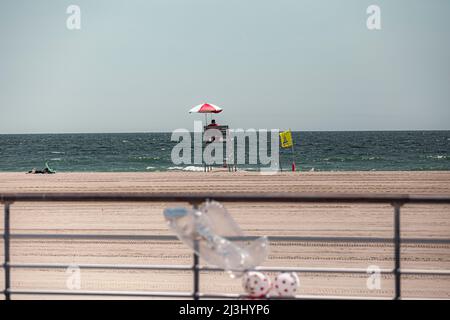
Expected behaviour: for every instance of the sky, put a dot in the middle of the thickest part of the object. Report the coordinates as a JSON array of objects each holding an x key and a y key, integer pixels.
[{"x": 139, "y": 66}]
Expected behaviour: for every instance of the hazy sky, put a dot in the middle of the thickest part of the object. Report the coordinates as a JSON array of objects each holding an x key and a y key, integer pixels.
[{"x": 138, "y": 66}]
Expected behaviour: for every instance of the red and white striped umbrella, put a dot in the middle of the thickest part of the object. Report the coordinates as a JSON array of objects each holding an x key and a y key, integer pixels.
[{"x": 206, "y": 108}]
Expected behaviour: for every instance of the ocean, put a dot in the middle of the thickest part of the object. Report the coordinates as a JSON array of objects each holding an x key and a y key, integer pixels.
[{"x": 144, "y": 152}]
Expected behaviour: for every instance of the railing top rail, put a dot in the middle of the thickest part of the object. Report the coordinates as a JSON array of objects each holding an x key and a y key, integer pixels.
[{"x": 199, "y": 197}]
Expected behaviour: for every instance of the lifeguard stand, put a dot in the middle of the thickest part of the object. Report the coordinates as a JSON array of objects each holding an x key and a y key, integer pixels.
[{"x": 211, "y": 136}]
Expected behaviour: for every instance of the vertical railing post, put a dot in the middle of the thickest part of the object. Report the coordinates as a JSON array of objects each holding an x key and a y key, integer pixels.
[
  {"x": 6, "y": 243},
  {"x": 397, "y": 248},
  {"x": 196, "y": 265},
  {"x": 196, "y": 272}
]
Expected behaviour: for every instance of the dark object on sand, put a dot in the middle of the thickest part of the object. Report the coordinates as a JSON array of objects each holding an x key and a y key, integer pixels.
[{"x": 46, "y": 170}]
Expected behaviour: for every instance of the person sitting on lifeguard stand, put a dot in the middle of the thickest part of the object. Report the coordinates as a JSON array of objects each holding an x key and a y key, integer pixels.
[{"x": 213, "y": 123}]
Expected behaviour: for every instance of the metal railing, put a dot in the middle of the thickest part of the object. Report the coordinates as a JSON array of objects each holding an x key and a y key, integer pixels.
[{"x": 397, "y": 201}]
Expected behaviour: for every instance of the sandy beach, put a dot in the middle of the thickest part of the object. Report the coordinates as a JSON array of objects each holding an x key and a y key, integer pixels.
[{"x": 309, "y": 219}]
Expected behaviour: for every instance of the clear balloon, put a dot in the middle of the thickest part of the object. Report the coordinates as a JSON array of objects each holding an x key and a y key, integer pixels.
[{"x": 214, "y": 235}]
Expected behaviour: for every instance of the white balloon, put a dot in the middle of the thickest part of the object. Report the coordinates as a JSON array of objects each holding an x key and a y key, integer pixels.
[
  {"x": 286, "y": 284},
  {"x": 256, "y": 284}
]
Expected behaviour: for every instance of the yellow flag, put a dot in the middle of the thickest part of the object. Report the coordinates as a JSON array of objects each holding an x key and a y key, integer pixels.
[{"x": 286, "y": 139}]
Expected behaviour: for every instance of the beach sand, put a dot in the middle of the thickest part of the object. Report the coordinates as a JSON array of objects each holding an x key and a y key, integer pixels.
[{"x": 309, "y": 219}]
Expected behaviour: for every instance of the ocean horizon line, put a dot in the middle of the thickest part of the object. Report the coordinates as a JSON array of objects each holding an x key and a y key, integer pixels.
[{"x": 150, "y": 132}]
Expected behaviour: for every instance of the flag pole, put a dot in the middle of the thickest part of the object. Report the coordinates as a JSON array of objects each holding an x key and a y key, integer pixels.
[
  {"x": 279, "y": 157},
  {"x": 292, "y": 149},
  {"x": 293, "y": 159}
]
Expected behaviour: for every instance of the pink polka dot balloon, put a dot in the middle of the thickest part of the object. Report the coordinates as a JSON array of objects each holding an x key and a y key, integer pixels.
[
  {"x": 286, "y": 284},
  {"x": 256, "y": 284}
]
